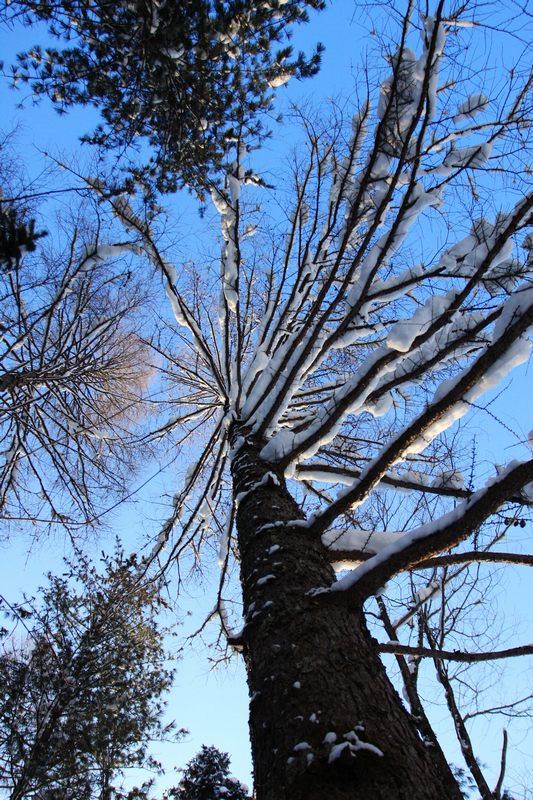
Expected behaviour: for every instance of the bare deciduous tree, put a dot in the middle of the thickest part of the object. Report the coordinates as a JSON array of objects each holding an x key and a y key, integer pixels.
[{"x": 73, "y": 367}]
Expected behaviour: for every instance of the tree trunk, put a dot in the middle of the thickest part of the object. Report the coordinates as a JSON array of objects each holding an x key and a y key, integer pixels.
[{"x": 325, "y": 721}]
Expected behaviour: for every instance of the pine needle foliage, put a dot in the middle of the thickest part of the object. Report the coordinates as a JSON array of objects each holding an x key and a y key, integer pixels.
[
  {"x": 207, "y": 777},
  {"x": 188, "y": 77},
  {"x": 82, "y": 681}
]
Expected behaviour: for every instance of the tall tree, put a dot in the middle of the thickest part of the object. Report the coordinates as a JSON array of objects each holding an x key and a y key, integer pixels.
[
  {"x": 82, "y": 696},
  {"x": 396, "y": 292},
  {"x": 311, "y": 365}
]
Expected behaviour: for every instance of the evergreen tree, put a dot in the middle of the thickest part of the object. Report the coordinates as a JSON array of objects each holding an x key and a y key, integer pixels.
[
  {"x": 82, "y": 697},
  {"x": 188, "y": 76},
  {"x": 17, "y": 235},
  {"x": 206, "y": 777}
]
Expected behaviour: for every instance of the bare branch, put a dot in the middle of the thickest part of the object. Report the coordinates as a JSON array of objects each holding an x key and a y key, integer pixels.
[
  {"x": 503, "y": 762},
  {"x": 454, "y": 655}
]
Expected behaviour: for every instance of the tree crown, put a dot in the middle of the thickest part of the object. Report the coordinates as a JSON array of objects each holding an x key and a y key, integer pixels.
[{"x": 188, "y": 77}]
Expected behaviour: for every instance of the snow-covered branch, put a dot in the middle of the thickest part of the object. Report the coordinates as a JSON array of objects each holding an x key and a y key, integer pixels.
[
  {"x": 450, "y": 402},
  {"x": 432, "y": 538}
]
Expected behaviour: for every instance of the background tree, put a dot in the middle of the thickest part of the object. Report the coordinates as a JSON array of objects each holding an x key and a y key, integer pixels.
[
  {"x": 207, "y": 777},
  {"x": 17, "y": 236},
  {"x": 17, "y": 227},
  {"x": 335, "y": 357},
  {"x": 74, "y": 369},
  {"x": 189, "y": 77},
  {"x": 82, "y": 683}
]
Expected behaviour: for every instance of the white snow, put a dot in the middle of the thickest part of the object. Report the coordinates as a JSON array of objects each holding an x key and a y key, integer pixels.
[
  {"x": 381, "y": 406},
  {"x": 517, "y": 353},
  {"x": 516, "y": 305},
  {"x": 426, "y": 592},
  {"x": 219, "y": 201},
  {"x": 403, "y": 334},
  {"x": 322, "y": 476},
  {"x": 354, "y": 745},
  {"x": 475, "y": 104},
  {"x": 104, "y": 251},
  {"x": 268, "y": 478},
  {"x": 279, "y": 80},
  {"x": 336, "y": 751},
  {"x": 449, "y": 479},
  {"x": 302, "y": 746},
  {"x": 191, "y": 469},
  {"x": 423, "y": 532},
  {"x": 265, "y": 579},
  {"x": 224, "y": 542},
  {"x": 358, "y": 540},
  {"x": 234, "y": 186},
  {"x": 473, "y": 156}
]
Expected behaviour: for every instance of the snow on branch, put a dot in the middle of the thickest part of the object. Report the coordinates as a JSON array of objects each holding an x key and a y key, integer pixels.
[
  {"x": 302, "y": 347},
  {"x": 428, "y": 321},
  {"x": 343, "y": 292},
  {"x": 354, "y": 545},
  {"x": 450, "y": 401},
  {"x": 359, "y": 541},
  {"x": 475, "y": 556},
  {"x": 432, "y": 538},
  {"x": 327, "y": 473}
]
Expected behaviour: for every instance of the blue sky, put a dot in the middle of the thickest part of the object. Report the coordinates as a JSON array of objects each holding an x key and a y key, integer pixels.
[{"x": 212, "y": 703}]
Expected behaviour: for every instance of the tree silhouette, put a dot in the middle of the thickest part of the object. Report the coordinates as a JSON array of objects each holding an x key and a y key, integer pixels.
[{"x": 206, "y": 777}]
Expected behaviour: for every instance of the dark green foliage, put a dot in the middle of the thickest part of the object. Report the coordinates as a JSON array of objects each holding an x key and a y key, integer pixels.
[
  {"x": 81, "y": 686},
  {"x": 187, "y": 76},
  {"x": 17, "y": 225},
  {"x": 464, "y": 780},
  {"x": 207, "y": 777},
  {"x": 467, "y": 784},
  {"x": 17, "y": 236}
]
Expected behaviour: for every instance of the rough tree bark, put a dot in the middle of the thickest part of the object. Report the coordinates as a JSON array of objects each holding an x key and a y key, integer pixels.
[{"x": 325, "y": 721}]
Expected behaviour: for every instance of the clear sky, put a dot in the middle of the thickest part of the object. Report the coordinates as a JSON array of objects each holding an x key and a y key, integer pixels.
[{"x": 212, "y": 703}]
